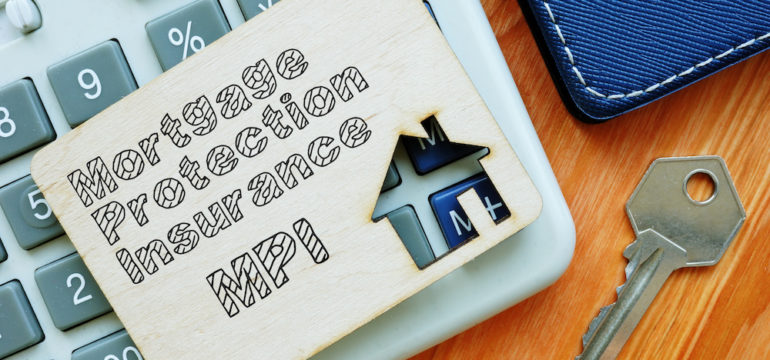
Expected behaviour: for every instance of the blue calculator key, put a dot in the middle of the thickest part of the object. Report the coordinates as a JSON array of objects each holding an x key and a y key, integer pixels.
[
  {"x": 70, "y": 292},
  {"x": 116, "y": 346},
  {"x": 24, "y": 123},
  {"x": 252, "y": 8},
  {"x": 435, "y": 151},
  {"x": 391, "y": 178},
  {"x": 3, "y": 254},
  {"x": 19, "y": 328},
  {"x": 455, "y": 224},
  {"x": 31, "y": 219},
  {"x": 408, "y": 228},
  {"x": 185, "y": 31}
]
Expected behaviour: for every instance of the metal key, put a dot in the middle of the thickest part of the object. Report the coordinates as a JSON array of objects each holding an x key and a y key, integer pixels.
[{"x": 672, "y": 231}]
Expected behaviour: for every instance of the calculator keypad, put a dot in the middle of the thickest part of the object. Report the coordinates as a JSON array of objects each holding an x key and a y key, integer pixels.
[
  {"x": 455, "y": 224},
  {"x": 90, "y": 81},
  {"x": 185, "y": 31},
  {"x": 435, "y": 151},
  {"x": 31, "y": 219},
  {"x": 408, "y": 228},
  {"x": 19, "y": 328},
  {"x": 70, "y": 292},
  {"x": 115, "y": 346},
  {"x": 252, "y": 8},
  {"x": 24, "y": 124}
]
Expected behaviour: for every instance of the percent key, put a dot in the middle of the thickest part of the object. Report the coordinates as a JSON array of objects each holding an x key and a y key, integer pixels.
[{"x": 186, "y": 31}]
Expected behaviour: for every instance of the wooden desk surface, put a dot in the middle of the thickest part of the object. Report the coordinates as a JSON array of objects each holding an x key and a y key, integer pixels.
[{"x": 719, "y": 312}]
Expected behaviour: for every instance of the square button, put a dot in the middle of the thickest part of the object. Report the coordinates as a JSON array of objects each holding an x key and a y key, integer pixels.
[
  {"x": 31, "y": 218},
  {"x": 24, "y": 123},
  {"x": 70, "y": 292},
  {"x": 90, "y": 81},
  {"x": 185, "y": 31},
  {"x": 116, "y": 346},
  {"x": 455, "y": 224},
  {"x": 252, "y": 8},
  {"x": 435, "y": 151},
  {"x": 408, "y": 228},
  {"x": 19, "y": 328}
]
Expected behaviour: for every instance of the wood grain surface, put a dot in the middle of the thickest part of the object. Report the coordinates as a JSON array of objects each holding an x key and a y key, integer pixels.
[{"x": 719, "y": 312}]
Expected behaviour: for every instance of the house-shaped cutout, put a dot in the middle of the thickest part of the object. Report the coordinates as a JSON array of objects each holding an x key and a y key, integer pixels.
[{"x": 419, "y": 195}]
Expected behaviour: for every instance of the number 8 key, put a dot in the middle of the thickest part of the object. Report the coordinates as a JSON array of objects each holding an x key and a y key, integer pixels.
[{"x": 24, "y": 123}]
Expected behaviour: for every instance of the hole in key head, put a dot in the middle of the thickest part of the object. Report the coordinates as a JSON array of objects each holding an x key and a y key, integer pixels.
[{"x": 700, "y": 186}]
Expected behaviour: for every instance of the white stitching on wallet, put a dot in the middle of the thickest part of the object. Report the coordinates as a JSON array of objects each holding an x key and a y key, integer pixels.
[
  {"x": 672, "y": 78},
  {"x": 728, "y": 52},
  {"x": 651, "y": 88},
  {"x": 704, "y": 63},
  {"x": 592, "y": 91},
  {"x": 686, "y": 72},
  {"x": 580, "y": 77},
  {"x": 569, "y": 54}
]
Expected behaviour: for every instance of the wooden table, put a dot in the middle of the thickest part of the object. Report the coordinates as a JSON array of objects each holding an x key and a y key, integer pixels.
[{"x": 719, "y": 312}]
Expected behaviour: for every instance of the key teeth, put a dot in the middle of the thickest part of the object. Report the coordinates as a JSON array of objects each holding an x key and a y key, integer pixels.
[
  {"x": 631, "y": 249},
  {"x": 632, "y": 263},
  {"x": 630, "y": 267},
  {"x": 633, "y": 255},
  {"x": 595, "y": 323}
]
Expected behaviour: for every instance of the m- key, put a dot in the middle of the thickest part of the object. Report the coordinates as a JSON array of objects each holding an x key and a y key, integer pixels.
[{"x": 672, "y": 231}]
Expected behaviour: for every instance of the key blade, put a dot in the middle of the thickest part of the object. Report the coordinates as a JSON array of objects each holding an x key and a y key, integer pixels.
[
  {"x": 634, "y": 258},
  {"x": 658, "y": 257},
  {"x": 635, "y": 252},
  {"x": 595, "y": 323}
]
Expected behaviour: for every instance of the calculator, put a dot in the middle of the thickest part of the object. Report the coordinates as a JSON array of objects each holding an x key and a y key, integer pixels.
[{"x": 64, "y": 62}]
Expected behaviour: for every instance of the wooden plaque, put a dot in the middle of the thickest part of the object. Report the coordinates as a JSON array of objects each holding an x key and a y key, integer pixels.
[{"x": 225, "y": 208}]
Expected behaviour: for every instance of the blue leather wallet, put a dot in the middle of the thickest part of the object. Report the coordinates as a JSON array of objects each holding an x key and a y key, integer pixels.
[{"x": 615, "y": 56}]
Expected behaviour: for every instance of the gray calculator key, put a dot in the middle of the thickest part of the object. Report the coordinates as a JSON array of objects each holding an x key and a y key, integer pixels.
[
  {"x": 408, "y": 228},
  {"x": 391, "y": 178},
  {"x": 116, "y": 346},
  {"x": 90, "y": 81},
  {"x": 19, "y": 328},
  {"x": 185, "y": 31},
  {"x": 3, "y": 254},
  {"x": 24, "y": 123},
  {"x": 31, "y": 219},
  {"x": 252, "y": 8},
  {"x": 70, "y": 292}
]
